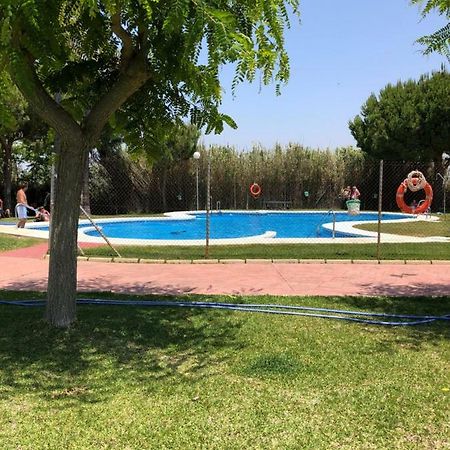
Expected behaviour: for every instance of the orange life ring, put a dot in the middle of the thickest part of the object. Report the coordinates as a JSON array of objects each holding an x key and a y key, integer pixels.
[
  {"x": 409, "y": 209},
  {"x": 255, "y": 190}
]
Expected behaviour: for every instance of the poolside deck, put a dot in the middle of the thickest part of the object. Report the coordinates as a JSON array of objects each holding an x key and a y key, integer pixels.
[{"x": 26, "y": 269}]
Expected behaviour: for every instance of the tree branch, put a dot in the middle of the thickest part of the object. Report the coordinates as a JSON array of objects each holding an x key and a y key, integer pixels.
[
  {"x": 126, "y": 38},
  {"x": 3, "y": 142},
  {"x": 142, "y": 38},
  {"x": 32, "y": 89},
  {"x": 128, "y": 83}
]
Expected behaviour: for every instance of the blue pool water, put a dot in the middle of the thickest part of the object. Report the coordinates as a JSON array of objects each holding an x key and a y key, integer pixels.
[{"x": 229, "y": 225}]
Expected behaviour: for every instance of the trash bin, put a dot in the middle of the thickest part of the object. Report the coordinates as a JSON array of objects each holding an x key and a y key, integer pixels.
[{"x": 353, "y": 207}]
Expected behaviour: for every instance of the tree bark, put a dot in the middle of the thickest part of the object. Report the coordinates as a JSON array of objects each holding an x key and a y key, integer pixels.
[
  {"x": 62, "y": 284},
  {"x": 7, "y": 182}
]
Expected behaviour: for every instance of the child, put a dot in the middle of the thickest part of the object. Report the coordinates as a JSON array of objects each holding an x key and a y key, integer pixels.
[{"x": 42, "y": 215}]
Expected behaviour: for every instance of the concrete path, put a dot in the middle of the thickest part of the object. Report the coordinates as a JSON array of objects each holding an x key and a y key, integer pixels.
[{"x": 18, "y": 272}]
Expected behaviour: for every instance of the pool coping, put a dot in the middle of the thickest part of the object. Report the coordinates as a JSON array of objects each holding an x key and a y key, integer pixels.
[{"x": 114, "y": 259}]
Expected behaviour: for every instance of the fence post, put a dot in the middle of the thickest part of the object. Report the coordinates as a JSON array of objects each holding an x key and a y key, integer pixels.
[
  {"x": 380, "y": 207},
  {"x": 208, "y": 204}
]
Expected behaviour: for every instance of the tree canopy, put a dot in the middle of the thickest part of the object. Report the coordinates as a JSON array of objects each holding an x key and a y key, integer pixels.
[
  {"x": 406, "y": 121},
  {"x": 152, "y": 62},
  {"x": 12, "y": 105},
  {"x": 99, "y": 53}
]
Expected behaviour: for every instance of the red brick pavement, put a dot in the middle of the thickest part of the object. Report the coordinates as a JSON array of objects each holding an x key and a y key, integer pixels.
[{"x": 20, "y": 270}]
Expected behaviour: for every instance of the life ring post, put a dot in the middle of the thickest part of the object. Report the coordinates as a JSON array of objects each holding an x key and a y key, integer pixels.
[
  {"x": 415, "y": 181},
  {"x": 255, "y": 190}
]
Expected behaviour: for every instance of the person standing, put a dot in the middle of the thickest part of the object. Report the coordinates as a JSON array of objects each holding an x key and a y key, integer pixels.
[
  {"x": 346, "y": 193},
  {"x": 22, "y": 205},
  {"x": 355, "y": 194}
]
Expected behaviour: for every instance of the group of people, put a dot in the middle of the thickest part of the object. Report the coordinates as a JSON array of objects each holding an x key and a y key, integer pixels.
[
  {"x": 350, "y": 199},
  {"x": 350, "y": 193},
  {"x": 22, "y": 208}
]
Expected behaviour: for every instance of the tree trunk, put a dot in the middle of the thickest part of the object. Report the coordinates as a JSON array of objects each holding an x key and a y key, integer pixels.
[
  {"x": 62, "y": 279},
  {"x": 85, "y": 196},
  {"x": 7, "y": 182}
]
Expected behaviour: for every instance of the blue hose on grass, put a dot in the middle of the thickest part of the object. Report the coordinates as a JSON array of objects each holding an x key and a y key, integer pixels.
[{"x": 409, "y": 320}]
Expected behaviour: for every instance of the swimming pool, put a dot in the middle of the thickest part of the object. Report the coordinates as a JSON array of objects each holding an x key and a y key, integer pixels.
[
  {"x": 187, "y": 228},
  {"x": 235, "y": 225}
]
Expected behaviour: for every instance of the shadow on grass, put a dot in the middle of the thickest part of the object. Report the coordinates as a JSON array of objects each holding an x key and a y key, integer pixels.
[
  {"x": 412, "y": 337},
  {"x": 113, "y": 349},
  {"x": 108, "y": 350},
  {"x": 419, "y": 305}
]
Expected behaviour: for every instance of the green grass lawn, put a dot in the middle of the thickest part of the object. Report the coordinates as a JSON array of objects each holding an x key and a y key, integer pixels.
[
  {"x": 8, "y": 242},
  {"x": 134, "y": 378},
  {"x": 428, "y": 251},
  {"x": 420, "y": 229},
  {"x": 279, "y": 251}
]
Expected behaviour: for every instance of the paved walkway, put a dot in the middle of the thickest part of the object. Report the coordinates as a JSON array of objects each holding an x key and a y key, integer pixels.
[{"x": 21, "y": 270}]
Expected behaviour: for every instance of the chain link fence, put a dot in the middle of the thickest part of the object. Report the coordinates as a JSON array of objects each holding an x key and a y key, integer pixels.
[{"x": 287, "y": 203}]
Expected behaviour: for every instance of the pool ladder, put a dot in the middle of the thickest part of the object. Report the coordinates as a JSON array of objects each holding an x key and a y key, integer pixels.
[{"x": 333, "y": 213}]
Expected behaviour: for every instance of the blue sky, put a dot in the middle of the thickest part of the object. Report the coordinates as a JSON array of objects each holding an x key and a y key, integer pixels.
[{"x": 342, "y": 51}]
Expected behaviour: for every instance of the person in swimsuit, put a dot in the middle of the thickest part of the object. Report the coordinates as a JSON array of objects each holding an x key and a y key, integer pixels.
[{"x": 22, "y": 205}]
